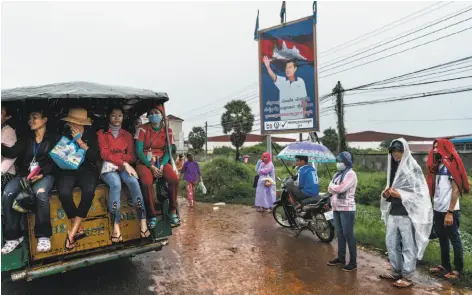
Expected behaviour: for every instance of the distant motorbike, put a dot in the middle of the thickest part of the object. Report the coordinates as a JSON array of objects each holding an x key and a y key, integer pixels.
[{"x": 315, "y": 216}]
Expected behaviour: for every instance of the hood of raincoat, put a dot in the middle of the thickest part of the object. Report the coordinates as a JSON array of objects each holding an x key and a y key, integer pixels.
[
  {"x": 450, "y": 158},
  {"x": 409, "y": 181}
]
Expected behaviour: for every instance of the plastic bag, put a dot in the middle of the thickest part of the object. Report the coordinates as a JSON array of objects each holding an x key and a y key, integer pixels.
[
  {"x": 67, "y": 155},
  {"x": 202, "y": 187}
]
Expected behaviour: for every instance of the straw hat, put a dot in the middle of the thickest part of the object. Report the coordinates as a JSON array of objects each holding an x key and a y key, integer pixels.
[{"x": 78, "y": 116}]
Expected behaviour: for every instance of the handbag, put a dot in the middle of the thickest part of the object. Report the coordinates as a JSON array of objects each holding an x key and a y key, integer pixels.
[
  {"x": 67, "y": 155},
  {"x": 161, "y": 189},
  {"x": 25, "y": 201},
  {"x": 256, "y": 180}
]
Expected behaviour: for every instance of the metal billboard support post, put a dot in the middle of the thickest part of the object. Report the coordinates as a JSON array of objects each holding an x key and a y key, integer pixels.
[{"x": 269, "y": 144}]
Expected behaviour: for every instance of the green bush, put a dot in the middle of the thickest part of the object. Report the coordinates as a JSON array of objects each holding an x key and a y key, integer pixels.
[
  {"x": 227, "y": 181},
  {"x": 223, "y": 151}
]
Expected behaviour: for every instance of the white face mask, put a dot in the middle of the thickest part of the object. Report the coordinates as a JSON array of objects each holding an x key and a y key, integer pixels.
[{"x": 340, "y": 166}]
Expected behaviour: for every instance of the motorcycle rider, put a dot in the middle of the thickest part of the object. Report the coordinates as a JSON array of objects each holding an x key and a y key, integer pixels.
[{"x": 307, "y": 190}]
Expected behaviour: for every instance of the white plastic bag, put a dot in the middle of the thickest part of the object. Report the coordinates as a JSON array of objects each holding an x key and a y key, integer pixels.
[{"x": 202, "y": 187}]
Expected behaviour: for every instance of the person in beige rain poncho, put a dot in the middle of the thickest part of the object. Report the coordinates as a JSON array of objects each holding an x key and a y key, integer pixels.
[{"x": 407, "y": 211}]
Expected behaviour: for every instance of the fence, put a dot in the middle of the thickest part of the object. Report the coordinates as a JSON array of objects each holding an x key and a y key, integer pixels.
[{"x": 378, "y": 162}]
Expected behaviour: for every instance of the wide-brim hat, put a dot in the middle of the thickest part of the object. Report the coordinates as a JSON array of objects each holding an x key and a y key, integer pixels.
[{"x": 78, "y": 116}]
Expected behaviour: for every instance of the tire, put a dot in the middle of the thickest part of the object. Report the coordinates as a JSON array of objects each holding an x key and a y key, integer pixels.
[
  {"x": 280, "y": 216},
  {"x": 327, "y": 235}
]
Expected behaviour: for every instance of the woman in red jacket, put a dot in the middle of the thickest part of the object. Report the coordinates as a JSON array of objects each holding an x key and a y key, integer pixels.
[{"x": 117, "y": 151}]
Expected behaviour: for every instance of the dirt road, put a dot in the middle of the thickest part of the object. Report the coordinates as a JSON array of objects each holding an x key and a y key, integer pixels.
[{"x": 232, "y": 250}]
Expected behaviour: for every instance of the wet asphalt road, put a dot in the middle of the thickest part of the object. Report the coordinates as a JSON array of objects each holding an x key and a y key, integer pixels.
[{"x": 233, "y": 250}]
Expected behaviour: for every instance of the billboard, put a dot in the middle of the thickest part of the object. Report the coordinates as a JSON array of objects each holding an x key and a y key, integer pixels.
[{"x": 288, "y": 84}]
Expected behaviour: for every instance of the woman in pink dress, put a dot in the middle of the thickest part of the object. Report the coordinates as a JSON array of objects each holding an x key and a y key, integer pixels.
[{"x": 265, "y": 190}]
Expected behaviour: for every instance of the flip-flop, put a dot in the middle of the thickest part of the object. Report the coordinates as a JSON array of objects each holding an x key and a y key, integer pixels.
[
  {"x": 143, "y": 234},
  {"x": 117, "y": 239},
  {"x": 437, "y": 269},
  {"x": 453, "y": 275},
  {"x": 70, "y": 244},
  {"x": 403, "y": 284},
  {"x": 80, "y": 235}
]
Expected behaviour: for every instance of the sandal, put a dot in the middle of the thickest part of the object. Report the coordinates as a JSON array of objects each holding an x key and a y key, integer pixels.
[
  {"x": 437, "y": 269},
  {"x": 390, "y": 277},
  {"x": 403, "y": 283},
  {"x": 80, "y": 235},
  {"x": 11, "y": 245},
  {"x": 71, "y": 245},
  {"x": 44, "y": 245},
  {"x": 152, "y": 222},
  {"x": 453, "y": 275},
  {"x": 143, "y": 234},
  {"x": 174, "y": 218},
  {"x": 116, "y": 240}
]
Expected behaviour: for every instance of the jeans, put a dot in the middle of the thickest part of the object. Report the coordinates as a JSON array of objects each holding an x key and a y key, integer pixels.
[
  {"x": 113, "y": 179},
  {"x": 446, "y": 234},
  {"x": 344, "y": 224},
  {"x": 87, "y": 182},
  {"x": 42, "y": 228},
  {"x": 401, "y": 245}
]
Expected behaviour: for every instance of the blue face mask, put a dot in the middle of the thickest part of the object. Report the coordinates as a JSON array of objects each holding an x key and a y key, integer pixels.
[{"x": 155, "y": 118}]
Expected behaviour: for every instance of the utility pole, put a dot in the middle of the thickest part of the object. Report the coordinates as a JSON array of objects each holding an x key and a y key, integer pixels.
[
  {"x": 339, "y": 91},
  {"x": 269, "y": 144},
  {"x": 206, "y": 139}
]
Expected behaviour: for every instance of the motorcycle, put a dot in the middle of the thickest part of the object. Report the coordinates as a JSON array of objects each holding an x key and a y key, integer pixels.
[{"x": 316, "y": 216}]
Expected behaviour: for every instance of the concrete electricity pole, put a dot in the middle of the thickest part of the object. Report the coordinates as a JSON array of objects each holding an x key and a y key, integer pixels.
[{"x": 339, "y": 91}]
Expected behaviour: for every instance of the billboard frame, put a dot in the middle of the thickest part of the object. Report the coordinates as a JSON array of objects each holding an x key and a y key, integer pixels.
[{"x": 315, "y": 66}]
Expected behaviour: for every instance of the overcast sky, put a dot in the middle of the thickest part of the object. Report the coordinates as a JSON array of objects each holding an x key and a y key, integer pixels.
[{"x": 203, "y": 54}]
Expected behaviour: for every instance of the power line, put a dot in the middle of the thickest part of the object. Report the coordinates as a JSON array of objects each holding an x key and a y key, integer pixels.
[
  {"x": 416, "y": 84},
  {"x": 405, "y": 76},
  {"x": 396, "y": 53},
  {"x": 413, "y": 96},
  {"x": 388, "y": 42},
  {"x": 343, "y": 45}
]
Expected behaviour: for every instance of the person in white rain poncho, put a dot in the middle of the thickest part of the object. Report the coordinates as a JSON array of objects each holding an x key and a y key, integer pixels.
[{"x": 407, "y": 211}]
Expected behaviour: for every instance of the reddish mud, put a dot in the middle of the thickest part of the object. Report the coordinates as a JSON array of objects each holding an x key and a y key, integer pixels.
[{"x": 232, "y": 250}]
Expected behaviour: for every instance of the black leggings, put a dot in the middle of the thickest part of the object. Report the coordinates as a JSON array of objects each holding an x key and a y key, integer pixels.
[{"x": 87, "y": 182}]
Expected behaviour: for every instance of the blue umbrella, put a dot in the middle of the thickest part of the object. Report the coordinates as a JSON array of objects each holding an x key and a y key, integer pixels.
[{"x": 316, "y": 153}]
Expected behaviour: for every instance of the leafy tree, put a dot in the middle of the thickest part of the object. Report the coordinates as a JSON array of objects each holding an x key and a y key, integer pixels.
[
  {"x": 237, "y": 120},
  {"x": 330, "y": 139},
  {"x": 197, "y": 138}
]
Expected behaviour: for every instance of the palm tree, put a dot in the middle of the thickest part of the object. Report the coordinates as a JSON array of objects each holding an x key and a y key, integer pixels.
[
  {"x": 237, "y": 119},
  {"x": 197, "y": 138}
]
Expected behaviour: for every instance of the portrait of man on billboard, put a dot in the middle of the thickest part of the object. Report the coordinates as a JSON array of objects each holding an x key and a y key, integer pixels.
[{"x": 293, "y": 97}]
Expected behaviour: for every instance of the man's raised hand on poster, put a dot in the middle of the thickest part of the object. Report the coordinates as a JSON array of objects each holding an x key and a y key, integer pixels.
[{"x": 267, "y": 62}]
